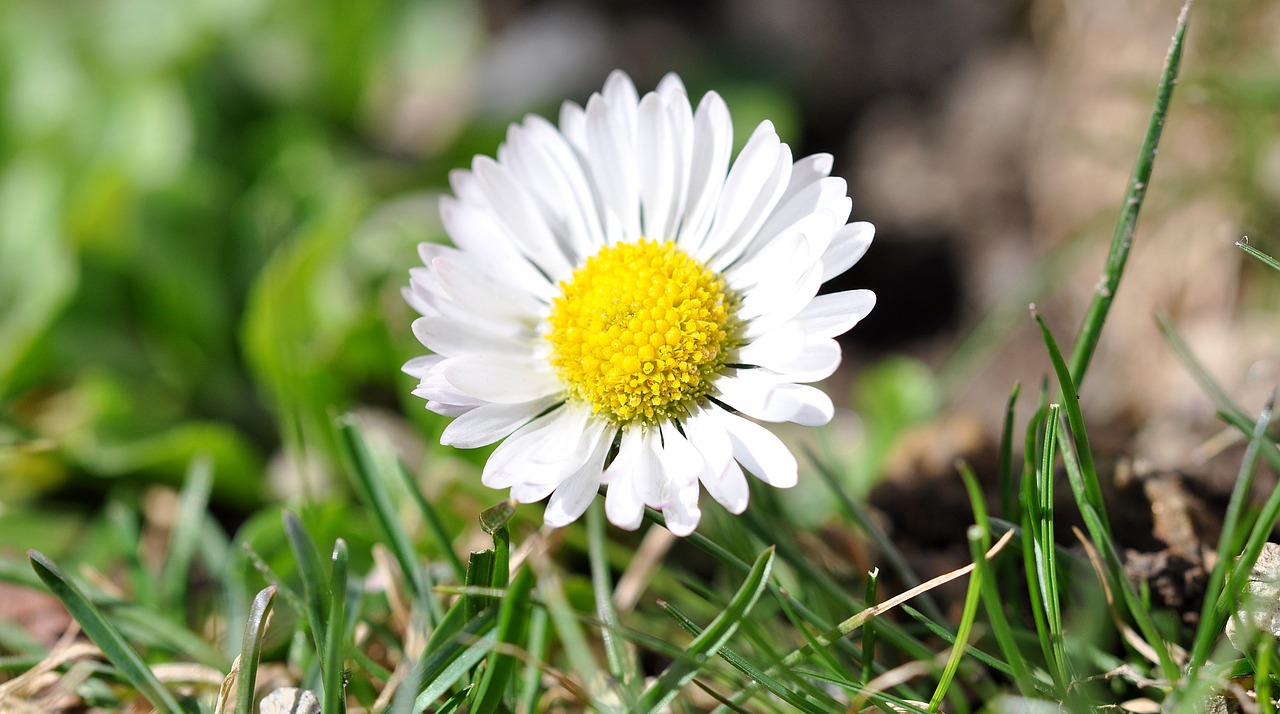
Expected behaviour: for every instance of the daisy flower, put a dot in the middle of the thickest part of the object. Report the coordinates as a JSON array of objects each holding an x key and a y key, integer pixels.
[{"x": 624, "y": 305}]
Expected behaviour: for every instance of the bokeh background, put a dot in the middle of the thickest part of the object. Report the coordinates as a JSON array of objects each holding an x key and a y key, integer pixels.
[{"x": 208, "y": 207}]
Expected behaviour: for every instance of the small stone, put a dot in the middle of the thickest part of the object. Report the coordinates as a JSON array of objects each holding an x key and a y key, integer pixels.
[
  {"x": 1260, "y": 606},
  {"x": 290, "y": 700}
]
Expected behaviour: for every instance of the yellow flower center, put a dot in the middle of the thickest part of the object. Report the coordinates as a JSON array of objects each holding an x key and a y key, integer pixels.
[{"x": 640, "y": 330}]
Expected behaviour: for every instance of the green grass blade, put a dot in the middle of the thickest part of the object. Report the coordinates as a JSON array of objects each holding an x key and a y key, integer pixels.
[
  {"x": 815, "y": 702},
  {"x": 251, "y": 648},
  {"x": 334, "y": 650},
  {"x": 869, "y": 630},
  {"x": 445, "y": 662},
  {"x": 185, "y": 538},
  {"x": 513, "y": 628},
  {"x": 564, "y": 620},
  {"x": 884, "y": 544},
  {"x": 971, "y": 599},
  {"x": 990, "y": 587},
  {"x": 1008, "y": 493},
  {"x": 1119, "y": 579},
  {"x": 315, "y": 583},
  {"x": 1122, "y": 239},
  {"x": 1045, "y": 555},
  {"x": 531, "y": 682},
  {"x": 1210, "y": 626},
  {"x": 104, "y": 635},
  {"x": 434, "y": 525},
  {"x": 618, "y": 655},
  {"x": 1243, "y": 244},
  {"x": 1083, "y": 478},
  {"x": 1071, "y": 398},
  {"x": 449, "y": 626},
  {"x": 706, "y": 645},
  {"x": 373, "y": 491}
]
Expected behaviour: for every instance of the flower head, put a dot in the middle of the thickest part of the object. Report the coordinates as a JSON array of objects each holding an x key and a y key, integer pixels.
[{"x": 624, "y": 305}]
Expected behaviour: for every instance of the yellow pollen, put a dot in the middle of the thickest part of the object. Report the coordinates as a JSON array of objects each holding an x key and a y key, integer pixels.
[{"x": 640, "y": 331}]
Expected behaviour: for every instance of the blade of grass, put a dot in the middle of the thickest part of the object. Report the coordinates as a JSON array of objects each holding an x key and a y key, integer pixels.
[
  {"x": 869, "y": 630},
  {"x": 372, "y": 490},
  {"x": 446, "y": 665},
  {"x": 704, "y": 646},
  {"x": 531, "y": 682},
  {"x": 1243, "y": 244},
  {"x": 815, "y": 702},
  {"x": 970, "y": 611},
  {"x": 1083, "y": 478},
  {"x": 1122, "y": 239},
  {"x": 1008, "y": 494},
  {"x": 333, "y": 653},
  {"x": 251, "y": 648},
  {"x": 1211, "y": 625},
  {"x": 434, "y": 525},
  {"x": 104, "y": 634},
  {"x": 564, "y": 620},
  {"x": 513, "y": 628},
  {"x": 884, "y": 544},
  {"x": 991, "y": 598},
  {"x": 315, "y": 583},
  {"x": 618, "y": 655},
  {"x": 1044, "y": 554},
  {"x": 185, "y": 537}
]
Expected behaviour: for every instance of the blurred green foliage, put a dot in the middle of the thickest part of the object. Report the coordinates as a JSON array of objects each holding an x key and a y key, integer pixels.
[{"x": 196, "y": 243}]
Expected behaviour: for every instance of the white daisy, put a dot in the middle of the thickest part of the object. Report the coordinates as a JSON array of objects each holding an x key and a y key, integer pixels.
[{"x": 623, "y": 305}]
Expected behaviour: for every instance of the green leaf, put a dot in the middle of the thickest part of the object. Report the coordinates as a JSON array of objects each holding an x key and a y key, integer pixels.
[
  {"x": 706, "y": 645},
  {"x": 104, "y": 635},
  {"x": 513, "y": 626},
  {"x": 251, "y": 648},
  {"x": 315, "y": 584},
  {"x": 333, "y": 654},
  {"x": 1122, "y": 239},
  {"x": 185, "y": 538},
  {"x": 1243, "y": 244},
  {"x": 368, "y": 480}
]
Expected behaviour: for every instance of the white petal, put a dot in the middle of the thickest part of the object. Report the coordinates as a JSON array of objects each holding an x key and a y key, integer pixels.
[
  {"x": 634, "y": 462},
  {"x": 682, "y": 514},
  {"x": 518, "y": 212},
  {"x": 834, "y": 314},
  {"x": 447, "y": 410},
  {"x": 574, "y": 494},
  {"x": 452, "y": 338},
  {"x": 656, "y": 168},
  {"x": 611, "y": 152},
  {"x": 420, "y": 366},
  {"x": 573, "y": 124},
  {"x": 766, "y": 398},
  {"x": 778, "y": 299},
  {"x": 807, "y": 360},
  {"x": 712, "y": 144},
  {"x": 731, "y": 489},
  {"x": 847, "y": 247},
  {"x": 505, "y": 380},
  {"x": 568, "y": 192},
  {"x": 795, "y": 205},
  {"x": 571, "y": 499},
  {"x": 752, "y": 188},
  {"x": 721, "y": 475},
  {"x": 670, "y": 86},
  {"x": 481, "y": 295},
  {"x": 489, "y": 423},
  {"x": 525, "y": 456},
  {"x": 679, "y": 462},
  {"x": 531, "y": 492},
  {"x": 757, "y": 449},
  {"x": 479, "y": 233}
]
